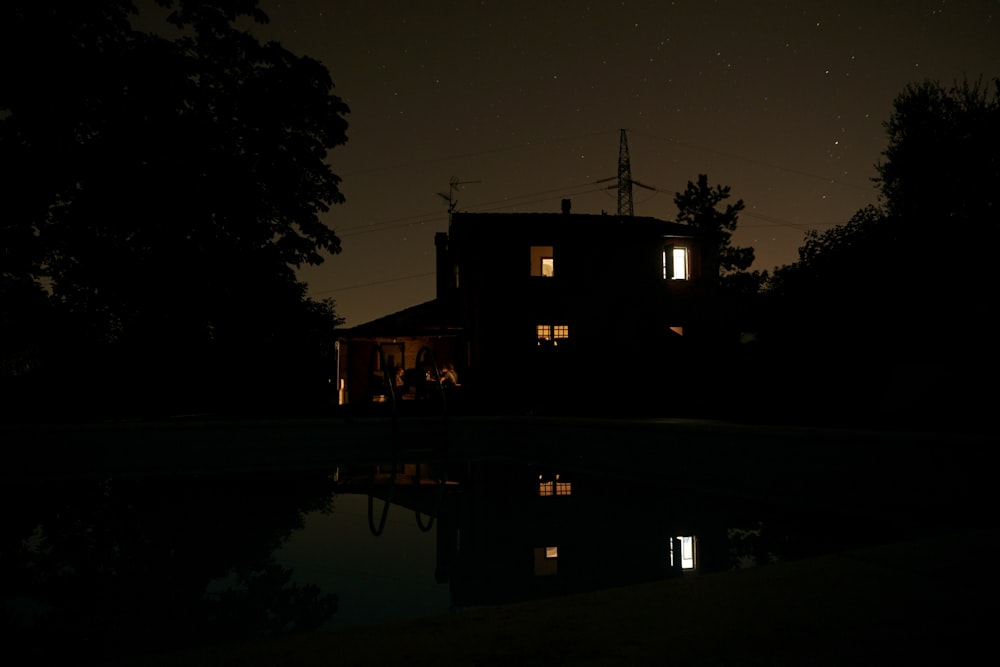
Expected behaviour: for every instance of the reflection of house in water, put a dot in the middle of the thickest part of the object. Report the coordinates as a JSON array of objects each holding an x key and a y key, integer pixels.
[
  {"x": 510, "y": 531},
  {"x": 524, "y": 532},
  {"x": 546, "y": 310}
]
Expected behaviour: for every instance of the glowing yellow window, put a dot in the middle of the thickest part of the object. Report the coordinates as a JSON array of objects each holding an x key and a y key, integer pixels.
[
  {"x": 556, "y": 487},
  {"x": 542, "y": 262},
  {"x": 546, "y": 561},
  {"x": 552, "y": 332}
]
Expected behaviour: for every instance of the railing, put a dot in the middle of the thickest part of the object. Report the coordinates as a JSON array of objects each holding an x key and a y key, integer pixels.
[{"x": 425, "y": 358}]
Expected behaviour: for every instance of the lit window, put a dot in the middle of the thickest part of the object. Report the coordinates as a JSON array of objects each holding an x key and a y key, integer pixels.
[
  {"x": 542, "y": 262},
  {"x": 682, "y": 548},
  {"x": 546, "y": 488},
  {"x": 555, "y": 487},
  {"x": 552, "y": 332},
  {"x": 546, "y": 561},
  {"x": 675, "y": 263}
]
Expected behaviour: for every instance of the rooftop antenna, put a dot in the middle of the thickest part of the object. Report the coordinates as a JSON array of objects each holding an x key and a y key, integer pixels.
[
  {"x": 625, "y": 181},
  {"x": 450, "y": 197}
]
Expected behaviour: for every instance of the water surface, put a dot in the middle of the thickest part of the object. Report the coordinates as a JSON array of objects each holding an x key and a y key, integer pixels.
[{"x": 100, "y": 568}]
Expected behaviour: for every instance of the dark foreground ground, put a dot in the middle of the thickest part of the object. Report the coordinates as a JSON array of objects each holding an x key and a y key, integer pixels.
[
  {"x": 919, "y": 603},
  {"x": 926, "y": 601}
]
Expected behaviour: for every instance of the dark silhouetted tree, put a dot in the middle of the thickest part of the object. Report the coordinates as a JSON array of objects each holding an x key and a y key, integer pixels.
[
  {"x": 942, "y": 162},
  {"x": 927, "y": 251},
  {"x": 125, "y": 566},
  {"x": 698, "y": 206},
  {"x": 727, "y": 309},
  {"x": 939, "y": 178},
  {"x": 902, "y": 296},
  {"x": 164, "y": 187}
]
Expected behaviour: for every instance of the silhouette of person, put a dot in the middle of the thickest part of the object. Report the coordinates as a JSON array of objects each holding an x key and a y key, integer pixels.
[{"x": 448, "y": 378}]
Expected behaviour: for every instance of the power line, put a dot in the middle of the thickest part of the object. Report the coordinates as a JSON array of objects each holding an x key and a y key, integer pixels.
[
  {"x": 372, "y": 284},
  {"x": 589, "y": 187},
  {"x": 557, "y": 193},
  {"x": 510, "y": 202},
  {"x": 388, "y": 225},
  {"x": 761, "y": 163},
  {"x": 497, "y": 204},
  {"x": 541, "y": 197}
]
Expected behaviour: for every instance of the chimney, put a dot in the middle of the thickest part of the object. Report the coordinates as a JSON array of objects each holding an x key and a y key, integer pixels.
[
  {"x": 565, "y": 206},
  {"x": 445, "y": 280}
]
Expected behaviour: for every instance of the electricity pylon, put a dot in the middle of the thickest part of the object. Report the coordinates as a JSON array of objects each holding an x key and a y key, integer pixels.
[
  {"x": 625, "y": 181},
  {"x": 624, "y": 178}
]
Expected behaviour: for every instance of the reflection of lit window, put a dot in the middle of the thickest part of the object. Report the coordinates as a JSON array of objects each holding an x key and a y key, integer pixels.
[
  {"x": 675, "y": 263},
  {"x": 542, "y": 262},
  {"x": 685, "y": 546},
  {"x": 555, "y": 487},
  {"x": 552, "y": 332},
  {"x": 546, "y": 561}
]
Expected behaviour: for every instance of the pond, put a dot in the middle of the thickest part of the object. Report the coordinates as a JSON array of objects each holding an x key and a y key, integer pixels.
[{"x": 120, "y": 566}]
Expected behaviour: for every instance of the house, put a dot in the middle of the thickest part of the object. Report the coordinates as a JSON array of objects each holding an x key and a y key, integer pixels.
[{"x": 549, "y": 311}]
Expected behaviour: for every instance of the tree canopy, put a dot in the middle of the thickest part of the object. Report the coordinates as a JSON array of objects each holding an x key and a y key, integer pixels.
[
  {"x": 942, "y": 161},
  {"x": 164, "y": 183},
  {"x": 911, "y": 283},
  {"x": 698, "y": 206},
  {"x": 930, "y": 243}
]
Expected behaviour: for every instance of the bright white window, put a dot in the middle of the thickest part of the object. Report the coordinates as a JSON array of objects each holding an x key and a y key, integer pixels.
[
  {"x": 675, "y": 263},
  {"x": 682, "y": 548}
]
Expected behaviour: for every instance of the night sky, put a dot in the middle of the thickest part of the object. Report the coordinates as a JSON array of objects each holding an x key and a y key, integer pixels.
[{"x": 523, "y": 102}]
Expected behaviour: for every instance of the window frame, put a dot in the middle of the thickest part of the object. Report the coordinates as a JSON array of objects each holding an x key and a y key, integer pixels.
[
  {"x": 542, "y": 256},
  {"x": 670, "y": 253},
  {"x": 551, "y": 334}
]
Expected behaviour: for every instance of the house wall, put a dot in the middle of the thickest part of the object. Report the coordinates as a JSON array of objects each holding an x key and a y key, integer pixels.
[{"x": 608, "y": 287}]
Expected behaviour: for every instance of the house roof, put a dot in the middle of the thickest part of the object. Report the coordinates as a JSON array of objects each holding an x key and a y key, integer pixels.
[
  {"x": 574, "y": 223},
  {"x": 442, "y": 316},
  {"x": 431, "y": 318}
]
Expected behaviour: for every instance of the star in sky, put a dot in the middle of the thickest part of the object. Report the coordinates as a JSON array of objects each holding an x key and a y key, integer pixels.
[{"x": 781, "y": 100}]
